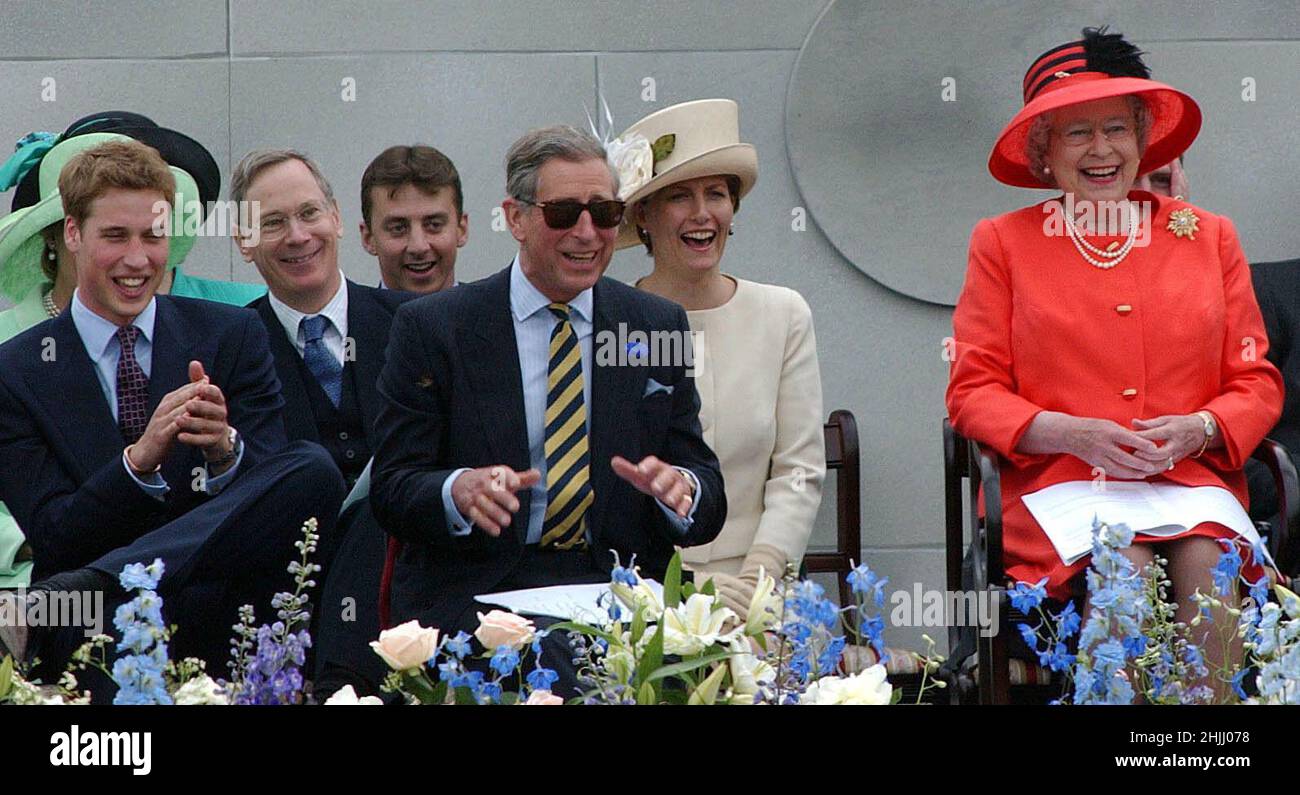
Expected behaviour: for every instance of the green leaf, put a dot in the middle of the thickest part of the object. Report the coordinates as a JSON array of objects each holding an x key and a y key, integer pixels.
[
  {"x": 686, "y": 666},
  {"x": 440, "y": 693},
  {"x": 652, "y": 657},
  {"x": 464, "y": 697},
  {"x": 663, "y": 146},
  {"x": 646, "y": 695},
  {"x": 673, "y": 582},
  {"x": 709, "y": 588},
  {"x": 418, "y": 685},
  {"x": 638, "y": 626},
  {"x": 6, "y": 676}
]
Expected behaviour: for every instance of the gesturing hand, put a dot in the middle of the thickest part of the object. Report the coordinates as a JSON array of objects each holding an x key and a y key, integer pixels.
[
  {"x": 1102, "y": 442},
  {"x": 486, "y": 496},
  {"x": 659, "y": 479},
  {"x": 1180, "y": 435},
  {"x": 203, "y": 425}
]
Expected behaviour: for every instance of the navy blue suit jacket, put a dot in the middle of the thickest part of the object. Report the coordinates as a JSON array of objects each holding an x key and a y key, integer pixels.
[
  {"x": 452, "y": 397},
  {"x": 61, "y": 450},
  {"x": 370, "y": 315}
]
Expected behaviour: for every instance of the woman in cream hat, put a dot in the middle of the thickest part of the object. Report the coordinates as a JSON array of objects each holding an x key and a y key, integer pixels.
[
  {"x": 1109, "y": 333},
  {"x": 683, "y": 172}
]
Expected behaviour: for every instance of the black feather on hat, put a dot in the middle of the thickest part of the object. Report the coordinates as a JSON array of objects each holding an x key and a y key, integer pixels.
[{"x": 1110, "y": 53}]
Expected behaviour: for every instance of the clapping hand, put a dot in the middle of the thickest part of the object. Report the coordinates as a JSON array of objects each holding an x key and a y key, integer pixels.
[{"x": 660, "y": 480}]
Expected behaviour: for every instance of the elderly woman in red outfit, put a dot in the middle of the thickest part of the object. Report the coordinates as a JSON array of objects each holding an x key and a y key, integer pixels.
[{"x": 1109, "y": 333}]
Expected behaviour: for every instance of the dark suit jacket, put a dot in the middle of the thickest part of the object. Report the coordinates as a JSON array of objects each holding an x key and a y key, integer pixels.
[
  {"x": 61, "y": 451},
  {"x": 1277, "y": 289},
  {"x": 452, "y": 397},
  {"x": 370, "y": 314}
]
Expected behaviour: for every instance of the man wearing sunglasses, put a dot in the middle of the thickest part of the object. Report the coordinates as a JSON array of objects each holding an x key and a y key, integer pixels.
[{"x": 509, "y": 454}]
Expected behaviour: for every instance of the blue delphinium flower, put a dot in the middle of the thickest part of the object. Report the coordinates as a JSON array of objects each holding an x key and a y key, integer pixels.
[
  {"x": 1227, "y": 569},
  {"x": 1067, "y": 621},
  {"x": 137, "y": 576},
  {"x": 863, "y": 581},
  {"x": 504, "y": 661},
  {"x": 139, "y": 675},
  {"x": 457, "y": 645},
  {"x": 542, "y": 678},
  {"x": 1026, "y": 597},
  {"x": 1029, "y": 634},
  {"x": 829, "y": 659},
  {"x": 1259, "y": 590}
]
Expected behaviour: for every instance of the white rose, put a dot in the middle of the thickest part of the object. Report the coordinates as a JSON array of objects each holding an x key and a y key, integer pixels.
[
  {"x": 634, "y": 161},
  {"x": 695, "y": 626},
  {"x": 868, "y": 687},
  {"x": 200, "y": 690},
  {"x": 347, "y": 697},
  {"x": 406, "y": 646},
  {"x": 499, "y": 628},
  {"x": 543, "y": 698}
]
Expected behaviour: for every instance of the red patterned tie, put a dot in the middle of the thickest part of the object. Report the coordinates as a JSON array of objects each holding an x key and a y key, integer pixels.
[{"x": 132, "y": 388}]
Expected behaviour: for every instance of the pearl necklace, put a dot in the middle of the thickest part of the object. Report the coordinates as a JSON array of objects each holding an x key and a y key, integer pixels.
[
  {"x": 51, "y": 308},
  {"x": 1115, "y": 257}
]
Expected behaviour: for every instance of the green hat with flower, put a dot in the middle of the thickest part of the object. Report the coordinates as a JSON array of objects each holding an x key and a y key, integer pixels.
[{"x": 22, "y": 245}]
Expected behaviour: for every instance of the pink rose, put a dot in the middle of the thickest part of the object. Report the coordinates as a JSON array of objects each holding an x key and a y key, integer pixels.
[
  {"x": 542, "y": 698},
  {"x": 406, "y": 646},
  {"x": 499, "y": 628}
]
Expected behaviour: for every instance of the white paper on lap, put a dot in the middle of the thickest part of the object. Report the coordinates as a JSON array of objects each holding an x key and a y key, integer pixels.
[
  {"x": 1066, "y": 511},
  {"x": 569, "y": 602}
]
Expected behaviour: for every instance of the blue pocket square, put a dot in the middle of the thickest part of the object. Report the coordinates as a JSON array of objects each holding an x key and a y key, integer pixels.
[{"x": 653, "y": 387}]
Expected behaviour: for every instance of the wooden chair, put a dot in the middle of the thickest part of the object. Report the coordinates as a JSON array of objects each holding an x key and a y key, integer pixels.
[
  {"x": 968, "y": 465},
  {"x": 841, "y": 431}
]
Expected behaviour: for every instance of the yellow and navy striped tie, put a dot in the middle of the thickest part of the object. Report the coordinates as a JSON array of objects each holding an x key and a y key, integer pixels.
[{"x": 568, "y": 481}]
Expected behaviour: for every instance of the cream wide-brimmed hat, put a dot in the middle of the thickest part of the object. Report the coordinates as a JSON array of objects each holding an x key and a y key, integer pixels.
[{"x": 693, "y": 139}]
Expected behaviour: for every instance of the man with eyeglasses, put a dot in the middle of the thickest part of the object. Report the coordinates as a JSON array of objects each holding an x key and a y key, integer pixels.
[
  {"x": 510, "y": 452},
  {"x": 328, "y": 337}
]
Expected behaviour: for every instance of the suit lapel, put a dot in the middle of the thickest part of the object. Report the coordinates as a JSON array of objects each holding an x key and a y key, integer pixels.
[
  {"x": 366, "y": 324},
  {"x": 491, "y": 358},
  {"x": 71, "y": 387},
  {"x": 614, "y": 393},
  {"x": 300, "y": 422},
  {"x": 171, "y": 354}
]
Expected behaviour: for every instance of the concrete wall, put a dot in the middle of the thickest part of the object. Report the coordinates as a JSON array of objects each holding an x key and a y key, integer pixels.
[{"x": 842, "y": 99}]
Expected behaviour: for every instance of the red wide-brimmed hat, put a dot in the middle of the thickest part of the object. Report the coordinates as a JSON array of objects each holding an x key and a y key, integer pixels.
[{"x": 1099, "y": 66}]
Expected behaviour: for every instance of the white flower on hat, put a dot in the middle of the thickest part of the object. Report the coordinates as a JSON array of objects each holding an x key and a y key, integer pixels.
[{"x": 633, "y": 160}]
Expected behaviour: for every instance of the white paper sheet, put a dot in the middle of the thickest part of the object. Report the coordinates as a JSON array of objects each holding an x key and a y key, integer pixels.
[
  {"x": 570, "y": 602},
  {"x": 1066, "y": 511}
]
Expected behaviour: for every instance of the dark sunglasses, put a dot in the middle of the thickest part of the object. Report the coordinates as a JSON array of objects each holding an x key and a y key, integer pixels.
[{"x": 563, "y": 214}]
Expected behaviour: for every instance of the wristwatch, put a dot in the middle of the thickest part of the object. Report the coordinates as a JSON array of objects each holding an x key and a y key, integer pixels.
[
  {"x": 1211, "y": 428},
  {"x": 230, "y": 455}
]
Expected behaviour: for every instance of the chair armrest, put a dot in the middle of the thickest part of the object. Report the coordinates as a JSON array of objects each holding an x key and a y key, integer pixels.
[{"x": 1284, "y": 541}]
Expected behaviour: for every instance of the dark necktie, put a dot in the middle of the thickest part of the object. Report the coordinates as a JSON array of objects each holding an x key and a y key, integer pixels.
[
  {"x": 132, "y": 388},
  {"x": 319, "y": 360},
  {"x": 568, "y": 484}
]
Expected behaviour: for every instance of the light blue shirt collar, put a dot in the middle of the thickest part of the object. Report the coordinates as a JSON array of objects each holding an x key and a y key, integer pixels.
[
  {"x": 97, "y": 333},
  {"x": 526, "y": 300}
]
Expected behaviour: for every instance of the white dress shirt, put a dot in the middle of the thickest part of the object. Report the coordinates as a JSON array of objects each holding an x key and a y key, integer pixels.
[{"x": 336, "y": 312}]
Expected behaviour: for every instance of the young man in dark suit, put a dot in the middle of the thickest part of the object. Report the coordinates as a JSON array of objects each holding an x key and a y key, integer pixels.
[
  {"x": 513, "y": 450},
  {"x": 149, "y": 427},
  {"x": 328, "y": 336}
]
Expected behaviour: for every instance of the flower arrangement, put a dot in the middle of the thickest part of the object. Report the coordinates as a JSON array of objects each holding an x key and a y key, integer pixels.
[
  {"x": 144, "y": 671},
  {"x": 685, "y": 647},
  {"x": 1129, "y": 646}
]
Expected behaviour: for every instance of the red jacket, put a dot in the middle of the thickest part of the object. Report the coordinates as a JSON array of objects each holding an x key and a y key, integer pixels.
[{"x": 1173, "y": 329}]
